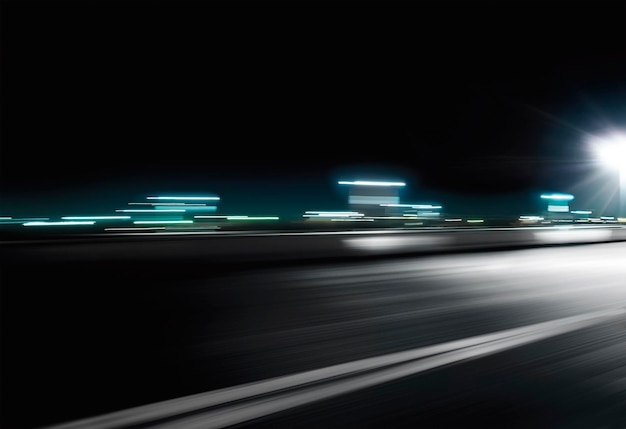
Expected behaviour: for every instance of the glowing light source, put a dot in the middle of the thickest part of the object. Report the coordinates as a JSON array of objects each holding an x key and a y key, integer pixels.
[
  {"x": 150, "y": 211},
  {"x": 212, "y": 198},
  {"x": 142, "y": 228},
  {"x": 95, "y": 217},
  {"x": 557, "y": 197},
  {"x": 63, "y": 223},
  {"x": 244, "y": 217},
  {"x": 332, "y": 214},
  {"x": 185, "y": 207},
  {"x": 531, "y": 218},
  {"x": 370, "y": 183},
  {"x": 415, "y": 206},
  {"x": 611, "y": 150},
  {"x": 141, "y": 222}
]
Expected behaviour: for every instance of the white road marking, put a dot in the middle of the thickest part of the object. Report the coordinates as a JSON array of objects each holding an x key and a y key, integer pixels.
[{"x": 266, "y": 397}]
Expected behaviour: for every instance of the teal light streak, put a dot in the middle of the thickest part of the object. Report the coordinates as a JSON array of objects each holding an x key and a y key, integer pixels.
[
  {"x": 558, "y": 197},
  {"x": 187, "y": 208},
  {"x": 95, "y": 217},
  {"x": 58, "y": 223},
  {"x": 150, "y": 211},
  {"x": 252, "y": 218},
  {"x": 143, "y": 222},
  {"x": 370, "y": 183},
  {"x": 183, "y": 198}
]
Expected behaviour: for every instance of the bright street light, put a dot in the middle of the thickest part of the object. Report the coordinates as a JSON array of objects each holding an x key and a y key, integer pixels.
[{"x": 611, "y": 150}]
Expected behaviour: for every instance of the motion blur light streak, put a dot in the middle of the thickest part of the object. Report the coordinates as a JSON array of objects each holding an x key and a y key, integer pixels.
[
  {"x": 95, "y": 217},
  {"x": 562, "y": 197},
  {"x": 370, "y": 183},
  {"x": 331, "y": 214},
  {"x": 244, "y": 217},
  {"x": 392, "y": 243},
  {"x": 167, "y": 204},
  {"x": 212, "y": 198},
  {"x": 572, "y": 235},
  {"x": 59, "y": 223},
  {"x": 186, "y": 208},
  {"x": 155, "y": 228},
  {"x": 253, "y": 400},
  {"x": 150, "y": 211},
  {"x": 141, "y": 222}
]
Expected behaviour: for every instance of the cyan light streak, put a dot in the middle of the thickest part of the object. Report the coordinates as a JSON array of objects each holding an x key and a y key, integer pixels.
[
  {"x": 161, "y": 203},
  {"x": 63, "y": 223},
  {"x": 150, "y": 211},
  {"x": 187, "y": 208},
  {"x": 148, "y": 222},
  {"x": 370, "y": 183},
  {"x": 236, "y": 217},
  {"x": 95, "y": 217},
  {"x": 558, "y": 197},
  {"x": 209, "y": 198}
]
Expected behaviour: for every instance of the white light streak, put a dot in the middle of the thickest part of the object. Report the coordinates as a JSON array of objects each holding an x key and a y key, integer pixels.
[
  {"x": 558, "y": 197},
  {"x": 370, "y": 183},
  {"x": 43, "y": 223},
  {"x": 182, "y": 198}
]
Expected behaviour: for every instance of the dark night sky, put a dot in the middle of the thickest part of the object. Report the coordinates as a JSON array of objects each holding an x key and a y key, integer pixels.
[{"x": 268, "y": 104}]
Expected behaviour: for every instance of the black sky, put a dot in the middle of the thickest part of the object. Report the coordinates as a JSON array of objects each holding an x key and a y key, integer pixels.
[{"x": 273, "y": 101}]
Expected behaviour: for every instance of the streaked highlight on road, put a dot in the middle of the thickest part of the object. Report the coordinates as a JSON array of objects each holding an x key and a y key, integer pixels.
[{"x": 230, "y": 406}]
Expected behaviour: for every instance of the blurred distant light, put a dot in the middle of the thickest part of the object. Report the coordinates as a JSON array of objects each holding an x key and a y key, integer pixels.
[
  {"x": 160, "y": 203},
  {"x": 572, "y": 235},
  {"x": 475, "y": 220},
  {"x": 94, "y": 217},
  {"x": 531, "y": 218},
  {"x": 558, "y": 197},
  {"x": 557, "y": 208},
  {"x": 453, "y": 220},
  {"x": 150, "y": 211},
  {"x": 186, "y": 208},
  {"x": 236, "y": 217},
  {"x": 143, "y": 228},
  {"x": 212, "y": 198},
  {"x": 147, "y": 222},
  {"x": 581, "y": 212},
  {"x": 370, "y": 183},
  {"x": 414, "y": 206},
  {"x": 372, "y": 199},
  {"x": 332, "y": 214},
  {"x": 63, "y": 223},
  {"x": 244, "y": 217}
]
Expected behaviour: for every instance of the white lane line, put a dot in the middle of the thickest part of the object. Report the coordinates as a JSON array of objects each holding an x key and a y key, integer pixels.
[{"x": 358, "y": 373}]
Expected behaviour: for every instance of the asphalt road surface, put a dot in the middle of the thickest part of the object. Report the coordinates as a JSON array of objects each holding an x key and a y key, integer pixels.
[{"x": 527, "y": 338}]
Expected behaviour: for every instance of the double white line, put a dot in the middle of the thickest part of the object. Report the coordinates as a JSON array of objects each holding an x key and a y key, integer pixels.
[{"x": 225, "y": 407}]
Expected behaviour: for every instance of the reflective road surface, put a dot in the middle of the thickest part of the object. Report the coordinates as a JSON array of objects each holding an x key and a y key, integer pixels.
[{"x": 527, "y": 338}]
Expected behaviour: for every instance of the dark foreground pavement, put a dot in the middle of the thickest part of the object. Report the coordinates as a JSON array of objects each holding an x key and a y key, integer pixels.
[{"x": 85, "y": 338}]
